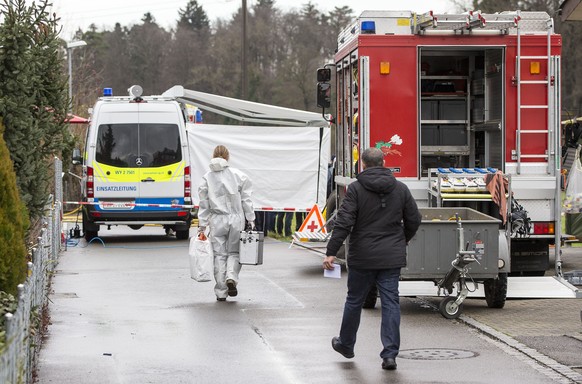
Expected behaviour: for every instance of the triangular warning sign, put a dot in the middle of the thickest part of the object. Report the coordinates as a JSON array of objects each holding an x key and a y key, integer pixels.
[{"x": 313, "y": 222}]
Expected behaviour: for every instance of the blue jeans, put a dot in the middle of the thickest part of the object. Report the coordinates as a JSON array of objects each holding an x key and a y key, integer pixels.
[{"x": 359, "y": 283}]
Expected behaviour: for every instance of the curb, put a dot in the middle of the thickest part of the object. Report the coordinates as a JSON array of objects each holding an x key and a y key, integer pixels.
[{"x": 551, "y": 364}]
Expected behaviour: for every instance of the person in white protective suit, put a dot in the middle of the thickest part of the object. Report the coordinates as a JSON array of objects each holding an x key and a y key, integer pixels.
[{"x": 225, "y": 203}]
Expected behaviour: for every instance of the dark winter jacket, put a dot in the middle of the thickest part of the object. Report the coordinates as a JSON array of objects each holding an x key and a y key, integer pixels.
[{"x": 381, "y": 216}]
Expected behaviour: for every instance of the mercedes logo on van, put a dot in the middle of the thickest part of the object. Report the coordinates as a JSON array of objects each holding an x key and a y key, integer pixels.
[{"x": 138, "y": 161}]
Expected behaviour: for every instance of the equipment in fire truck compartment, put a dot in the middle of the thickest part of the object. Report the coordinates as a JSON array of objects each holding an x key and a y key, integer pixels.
[{"x": 458, "y": 109}]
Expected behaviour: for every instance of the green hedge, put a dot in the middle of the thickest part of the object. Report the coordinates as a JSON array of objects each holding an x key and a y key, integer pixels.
[{"x": 13, "y": 225}]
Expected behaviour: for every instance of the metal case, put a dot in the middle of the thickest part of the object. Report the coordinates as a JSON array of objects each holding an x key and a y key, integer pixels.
[{"x": 251, "y": 247}]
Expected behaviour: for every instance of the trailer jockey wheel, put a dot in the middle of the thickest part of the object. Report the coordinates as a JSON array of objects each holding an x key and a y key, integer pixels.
[{"x": 449, "y": 309}]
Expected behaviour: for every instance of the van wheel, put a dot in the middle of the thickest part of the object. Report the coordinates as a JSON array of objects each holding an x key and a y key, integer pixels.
[
  {"x": 183, "y": 234},
  {"x": 90, "y": 235},
  {"x": 90, "y": 230}
]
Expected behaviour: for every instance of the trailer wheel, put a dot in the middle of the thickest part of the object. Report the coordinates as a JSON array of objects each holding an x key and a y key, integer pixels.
[
  {"x": 449, "y": 309},
  {"x": 496, "y": 291},
  {"x": 371, "y": 298}
]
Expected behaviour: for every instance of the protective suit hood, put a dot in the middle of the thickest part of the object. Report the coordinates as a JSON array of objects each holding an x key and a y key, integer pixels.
[{"x": 218, "y": 164}]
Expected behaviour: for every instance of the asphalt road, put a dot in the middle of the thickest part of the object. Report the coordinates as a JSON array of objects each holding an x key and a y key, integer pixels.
[{"x": 126, "y": 311}]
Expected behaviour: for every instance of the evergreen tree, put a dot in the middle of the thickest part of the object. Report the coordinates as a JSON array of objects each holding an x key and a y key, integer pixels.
[
  {"x": 13, "y": 225},
  {"x": 193, "y": 17},
  {"x": 33, "y": 96},
  {"x": 148, "y": 47},
  {"x": 188, "y": 58}
]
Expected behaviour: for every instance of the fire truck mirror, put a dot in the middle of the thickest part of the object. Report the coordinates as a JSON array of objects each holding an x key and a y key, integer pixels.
[
  {"x": 323, "y": 95},
  {"x": 323, "y": 75}
]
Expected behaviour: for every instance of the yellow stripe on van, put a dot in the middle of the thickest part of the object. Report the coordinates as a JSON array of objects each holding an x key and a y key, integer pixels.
[
  {"x": 167, "y": 173},
  {"x": 133, "y": 175},
  {"x": 109, "y": 173},
  {"x": 98, "y": 172},
  {"x": 178, "y": 171}
]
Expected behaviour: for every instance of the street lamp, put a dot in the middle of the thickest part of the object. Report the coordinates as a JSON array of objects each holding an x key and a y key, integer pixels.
[{"x": 70, "y": 46}]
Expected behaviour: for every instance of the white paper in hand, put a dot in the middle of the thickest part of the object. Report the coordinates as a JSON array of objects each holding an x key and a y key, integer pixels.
[{"x": 336, "y": 273}]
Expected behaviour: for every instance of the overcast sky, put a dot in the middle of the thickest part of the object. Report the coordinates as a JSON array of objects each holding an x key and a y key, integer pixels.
[{"x": 105, "y": 13}]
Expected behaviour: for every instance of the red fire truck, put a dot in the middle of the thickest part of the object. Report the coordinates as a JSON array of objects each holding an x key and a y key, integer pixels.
[{"x": 450, "y": 99}]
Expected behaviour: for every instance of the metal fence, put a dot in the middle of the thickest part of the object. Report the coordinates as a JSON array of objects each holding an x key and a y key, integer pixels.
[{"x": 23, "y": 327}]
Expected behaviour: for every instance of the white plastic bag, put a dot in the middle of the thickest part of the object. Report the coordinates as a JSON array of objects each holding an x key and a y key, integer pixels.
[
  {"x": 201, "y": 258},
  {"x": 573, "y": 200}
]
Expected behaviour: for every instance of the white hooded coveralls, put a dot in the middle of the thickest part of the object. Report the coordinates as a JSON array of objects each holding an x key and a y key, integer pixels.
[{"x": 225, "y": 202}]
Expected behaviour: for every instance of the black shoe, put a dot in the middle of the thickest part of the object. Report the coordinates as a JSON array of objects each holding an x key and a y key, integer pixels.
[
  {"x": 232, "y": 291},
  {"x": 339, "y": 348},
  {"x": 221, "y": 299},
  {"x": 389, "y": 363}
]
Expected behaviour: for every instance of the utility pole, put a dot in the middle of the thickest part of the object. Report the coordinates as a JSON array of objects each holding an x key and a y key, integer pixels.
[
  {"x": 70, "y": 46},
  {"x": 244, "y": 50}
]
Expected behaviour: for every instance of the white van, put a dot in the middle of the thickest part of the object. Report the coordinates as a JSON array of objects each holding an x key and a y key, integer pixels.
[{"x": 136, "y": 166}]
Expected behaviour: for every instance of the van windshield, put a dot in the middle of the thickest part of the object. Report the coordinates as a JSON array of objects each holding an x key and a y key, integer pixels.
[{"x": 138, "y": 145}]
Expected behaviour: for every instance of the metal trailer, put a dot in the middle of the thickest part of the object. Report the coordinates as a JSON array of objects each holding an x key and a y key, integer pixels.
[{"x": 455, "y": 247}]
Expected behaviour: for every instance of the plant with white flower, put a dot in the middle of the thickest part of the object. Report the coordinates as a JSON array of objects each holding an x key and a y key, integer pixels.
[
  {"x": 386, "y": 147},
  {"x": 395, "y": 140}
]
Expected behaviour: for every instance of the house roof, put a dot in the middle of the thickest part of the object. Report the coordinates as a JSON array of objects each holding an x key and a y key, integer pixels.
[
  {"x": 74, "y": 119},
  {"x": 571, "y": 10}
]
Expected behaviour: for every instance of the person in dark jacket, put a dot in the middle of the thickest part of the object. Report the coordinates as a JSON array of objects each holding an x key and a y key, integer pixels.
[{"x": 381, "y": 216}]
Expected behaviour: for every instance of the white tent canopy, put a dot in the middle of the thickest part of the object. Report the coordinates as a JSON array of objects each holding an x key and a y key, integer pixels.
[
  {"x": 246, "y": 111},
  {"x": 286, "y": 161},
  {"x": 287, "y": 165}
]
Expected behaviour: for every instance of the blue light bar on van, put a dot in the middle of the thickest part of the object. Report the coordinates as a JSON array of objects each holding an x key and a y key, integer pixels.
[
  {"x": 107, "y": 91},
  {"x": 368, "y": 27}
]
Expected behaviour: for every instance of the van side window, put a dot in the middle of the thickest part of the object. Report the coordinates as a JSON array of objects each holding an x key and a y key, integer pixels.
[{"x": 138, "y": 145}]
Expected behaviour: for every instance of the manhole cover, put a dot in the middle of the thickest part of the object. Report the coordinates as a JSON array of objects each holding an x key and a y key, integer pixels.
[{"x": 436, "y": 354}]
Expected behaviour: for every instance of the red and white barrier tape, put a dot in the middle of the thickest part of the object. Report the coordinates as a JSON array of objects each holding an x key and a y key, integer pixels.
[
  {"x": 128, "y": 205},
  {"x": 120, "y": 205}
]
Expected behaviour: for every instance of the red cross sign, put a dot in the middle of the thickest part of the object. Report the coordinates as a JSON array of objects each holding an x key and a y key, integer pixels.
[{"x": 313, "y": 222}]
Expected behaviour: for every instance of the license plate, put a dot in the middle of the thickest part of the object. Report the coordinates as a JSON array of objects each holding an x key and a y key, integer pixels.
[{"x": 116, "y": 205}]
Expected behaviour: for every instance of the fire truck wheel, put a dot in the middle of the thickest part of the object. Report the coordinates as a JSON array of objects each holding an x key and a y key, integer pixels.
[
  {"x": 496, "y": 291},
  {"x": 371, "y": 298},
  {"x": 449, "y": 309}
]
